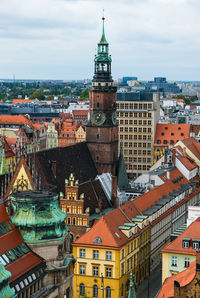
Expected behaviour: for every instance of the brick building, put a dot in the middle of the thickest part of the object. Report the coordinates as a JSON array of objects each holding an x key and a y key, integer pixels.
[{"x": 102, "y": 129}]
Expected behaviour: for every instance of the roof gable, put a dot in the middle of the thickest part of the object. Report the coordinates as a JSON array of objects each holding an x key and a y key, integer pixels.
[{"x": 22, "y": 174}]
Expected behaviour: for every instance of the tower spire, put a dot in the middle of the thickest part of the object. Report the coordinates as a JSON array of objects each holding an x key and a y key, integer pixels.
[
  {"x": 102, "y": 61},
  {"x": 103, "y": 37}
]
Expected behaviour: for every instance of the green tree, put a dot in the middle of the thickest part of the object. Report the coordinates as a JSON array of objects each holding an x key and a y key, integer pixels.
[
  {"x": 50, "y": 97},
  {"x": 84, "y": 95},
  {"x": 38, "y": 94}
]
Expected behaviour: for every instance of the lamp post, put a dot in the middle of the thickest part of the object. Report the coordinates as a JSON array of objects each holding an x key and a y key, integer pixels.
[{"x": 102, "y": 285}]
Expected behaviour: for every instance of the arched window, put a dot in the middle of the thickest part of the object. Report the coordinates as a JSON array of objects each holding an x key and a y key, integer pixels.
[
  {"x": 95, "y": 291},
  {"x": 108, "y": 292},
  {"x": 82, "y": 289}
]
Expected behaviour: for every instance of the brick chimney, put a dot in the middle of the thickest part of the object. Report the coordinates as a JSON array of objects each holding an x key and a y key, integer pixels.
[
  {"x": 53, "y": 166},
  {"x": 114, "y": 192}
]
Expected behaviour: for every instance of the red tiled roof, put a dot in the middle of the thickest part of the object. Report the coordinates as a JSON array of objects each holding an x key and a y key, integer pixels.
[
  {"x": 187, "y": 163},
  {"x": 179, "y": 100},
  {"x": 8, "y": 149},
  {"x": 149, "y": 198},
  {"x": 107, "y": 227},
  {"x": 170, "y": 132},
  {"x": 68, "y": 126},
  {"x": 184, "y": 278},
  {"x": 65, "y": 115},
  {"x": 10, "y": 240},
  {"x": 80, "y": 112},
  {"x": 15, "y": 119},
  {"x": 37, "y": 126},
  {"x": 176, "y": 246},
  {"x": 192, "y": 145},
  {"x": 22, "y": 100},
  {"x": 23, "y": 265}
]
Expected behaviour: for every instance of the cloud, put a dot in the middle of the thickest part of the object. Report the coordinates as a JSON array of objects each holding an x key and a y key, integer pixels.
[{"x": 59, "y": 37}]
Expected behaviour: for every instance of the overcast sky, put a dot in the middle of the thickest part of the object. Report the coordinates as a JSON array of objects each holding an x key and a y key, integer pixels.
[{"x": 56, "y": 39}]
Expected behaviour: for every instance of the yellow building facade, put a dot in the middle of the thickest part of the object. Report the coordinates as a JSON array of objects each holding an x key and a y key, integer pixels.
[
  {"x": 104, "y": 270},
  {"x": 80, "y": 134},
  {"x": 172, "y": 263}
]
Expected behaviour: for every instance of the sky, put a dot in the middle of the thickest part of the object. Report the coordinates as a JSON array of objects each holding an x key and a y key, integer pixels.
[{"x": 57, "y": 39}]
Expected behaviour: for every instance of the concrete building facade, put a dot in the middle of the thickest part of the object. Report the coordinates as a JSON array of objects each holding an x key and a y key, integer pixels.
[{"x": 137, "y": 115}]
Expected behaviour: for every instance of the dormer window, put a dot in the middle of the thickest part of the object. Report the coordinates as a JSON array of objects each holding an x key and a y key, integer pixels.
[
  {"x": 186, "y": 242},
  {"x": 195, "y": 244},
  {"x": 97, "y": 240}
]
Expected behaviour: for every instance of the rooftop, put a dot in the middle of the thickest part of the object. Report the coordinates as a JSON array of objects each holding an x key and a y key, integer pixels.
[{"x": 176, "y": 246}]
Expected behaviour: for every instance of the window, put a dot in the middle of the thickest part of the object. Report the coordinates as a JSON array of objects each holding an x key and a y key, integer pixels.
[
  {"x": 122, "y": 269},
  {"x": 187, "y": 262},
  {"x": 108, "y": 255},
  {"x": 95, "y": 291},
  {"x": 195, "y": 245},
  {"x": 95, "y": 270},
  {"x": 108, "y": 272},
  {"x": 174, "y": 261},
  {"x": 82, "y": 253},
  {"x": 95, "y": 254},
  {"x": 82, "y": 269},
  {"x": 185, "y": 244},
  {"x": 108, "y": 292},
  {"x": 82, "y": 289}
]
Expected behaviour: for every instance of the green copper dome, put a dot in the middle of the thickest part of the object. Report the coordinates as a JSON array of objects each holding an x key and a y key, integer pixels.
[
  {"x": 5, "y": 290},
  {"x": 38, "y": 216}
]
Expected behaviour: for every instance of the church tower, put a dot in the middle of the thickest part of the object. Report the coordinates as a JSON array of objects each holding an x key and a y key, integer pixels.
[{"x": 102, "y": 129}]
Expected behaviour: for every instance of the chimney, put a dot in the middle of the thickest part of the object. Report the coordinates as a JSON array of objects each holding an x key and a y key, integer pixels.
[
  {"x": 184, "y": 151},
  {"x": 114, "y": 192},
  {"x": 100, "y": 203},
  {"x": 168, "y": 175}
]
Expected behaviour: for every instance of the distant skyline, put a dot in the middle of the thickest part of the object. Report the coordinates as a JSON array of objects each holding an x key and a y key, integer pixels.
[{"x": 57, "y": 39}]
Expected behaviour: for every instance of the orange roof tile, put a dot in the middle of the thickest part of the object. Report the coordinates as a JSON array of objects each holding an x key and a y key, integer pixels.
[
  {"x": 36, "y": 126},
  {"x": 184, "y": 278},
  {"x": 176, "y": 246},
  {"x": 22, "y": 100},
  {"x": 107, "y": 228},
  {"x": 15, "y": 119},
  {"x": 169, "y": 133}
]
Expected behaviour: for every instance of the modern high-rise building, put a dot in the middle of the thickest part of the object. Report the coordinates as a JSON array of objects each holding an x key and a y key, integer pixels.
[
  {"x": 137, "y": 115},
  {"x": 102, "y": 129}
]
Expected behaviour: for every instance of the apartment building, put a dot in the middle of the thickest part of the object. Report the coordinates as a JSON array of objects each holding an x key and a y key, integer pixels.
[{"x": 137, "y": 115}]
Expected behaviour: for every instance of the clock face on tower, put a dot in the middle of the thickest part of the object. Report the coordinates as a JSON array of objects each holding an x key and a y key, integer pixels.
[
  {"x": 98, "y": 118},
  {"x": 114, "y": 118}
]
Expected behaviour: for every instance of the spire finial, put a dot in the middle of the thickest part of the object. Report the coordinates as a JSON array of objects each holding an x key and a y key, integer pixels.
[{"x": 103, "y": 18}]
